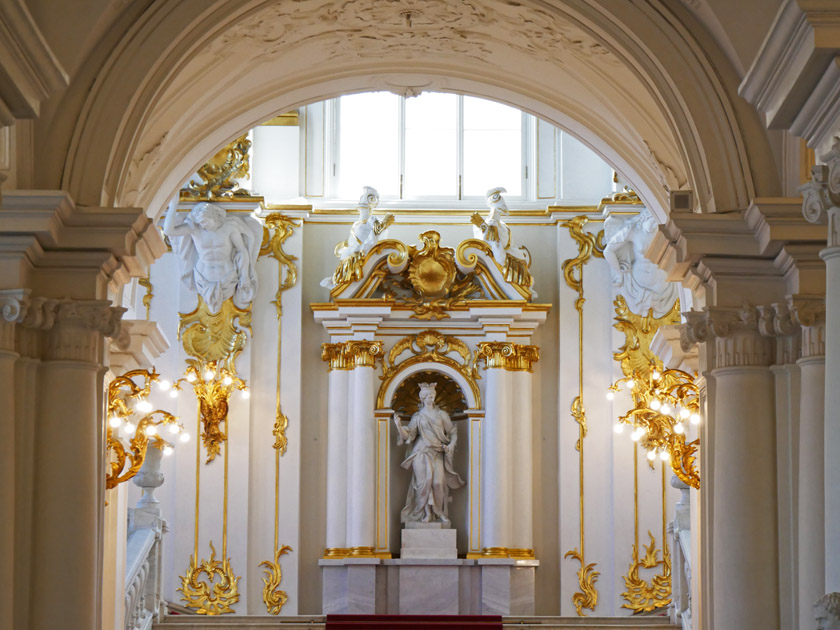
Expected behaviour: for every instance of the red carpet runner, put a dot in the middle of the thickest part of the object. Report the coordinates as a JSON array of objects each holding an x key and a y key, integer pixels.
[{"x": 413, "y": 622}]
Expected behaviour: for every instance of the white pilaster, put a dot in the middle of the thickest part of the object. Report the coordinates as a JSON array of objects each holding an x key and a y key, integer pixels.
[
  {"x": 337, "y": 419},
  {"x": 496, "y": 458},
  {"x": 521, "y": 447}
]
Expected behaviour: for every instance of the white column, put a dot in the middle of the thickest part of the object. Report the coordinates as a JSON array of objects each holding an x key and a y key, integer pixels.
[
  {"x": 337, "y": 419},
  {"x": 361, "y": 441},
  {"x": 69, "y": 486},
  {"x": 745, "y": 587},
  {"x": 522, "y": 503},
  {"x": 496, "y": 453}
]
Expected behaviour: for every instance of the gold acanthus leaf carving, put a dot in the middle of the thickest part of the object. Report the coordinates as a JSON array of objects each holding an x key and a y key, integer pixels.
[
  {"x": 146, "y": 283},
  {"x": 273, "y": 598},
  {"x": 210, "y": 597},
  {"x": 579, "y": 416},
  {"x": 587, "y": 597},
  {"x": 215, "y": 337},
  {"x": 220, "y": 173},
  {"x": 642, "y": 596},
  {"x": 278, "y": 228},
  {"x": 507, "y": 355},
  {"x": 635, "y": 356},
  {"x": 588, "y": 245}
]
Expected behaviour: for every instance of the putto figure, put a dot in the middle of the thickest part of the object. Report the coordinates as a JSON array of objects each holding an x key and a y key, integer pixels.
[
  {"x": 433, "y": 437},
  {"x": 496, "y": 233},
  {"x": 218, "y": 253},
  {"x": 364, "y": 234}
]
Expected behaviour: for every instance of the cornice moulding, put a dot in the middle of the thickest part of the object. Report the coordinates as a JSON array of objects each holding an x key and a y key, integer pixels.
[
  {"x": 143, "y": 342},
  {"x": 819, "y": 116}
]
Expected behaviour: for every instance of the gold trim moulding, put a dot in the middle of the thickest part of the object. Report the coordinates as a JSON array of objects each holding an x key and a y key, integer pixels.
[
  {"x": 342, "y": 553},
  {"x": 289, "y": 119},
  {"x": 511, "y": 553},
  {"x": 528, "y": 307}
]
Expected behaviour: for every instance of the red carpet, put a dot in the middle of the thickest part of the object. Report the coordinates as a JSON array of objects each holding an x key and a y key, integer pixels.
[{"x": 414, "y": 622}]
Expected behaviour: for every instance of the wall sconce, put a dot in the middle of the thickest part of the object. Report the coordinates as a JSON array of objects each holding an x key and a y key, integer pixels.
[
  {"x": 126, "y": 400},
  {"x": 664, "y": 402}
]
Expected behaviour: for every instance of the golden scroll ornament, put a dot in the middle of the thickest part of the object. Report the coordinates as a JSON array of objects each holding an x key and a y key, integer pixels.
[
  {"x": 220, "y": 174},
  {"x": 210, "y": 597},
  {"x": 273, "y": 597},
  {"x": 641, "y": 596}
]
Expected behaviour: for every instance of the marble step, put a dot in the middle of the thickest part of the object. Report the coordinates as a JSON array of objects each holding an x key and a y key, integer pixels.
[{"x": 317, "y": 622}]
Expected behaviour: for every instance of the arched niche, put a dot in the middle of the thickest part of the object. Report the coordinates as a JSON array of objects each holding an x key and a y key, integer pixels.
[
  {"x": 444, "y": 365},
  {"x": 451, "y": 397}
]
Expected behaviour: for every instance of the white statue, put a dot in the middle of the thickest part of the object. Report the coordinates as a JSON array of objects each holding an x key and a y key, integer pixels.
[
  {"x": 495, "y": 232},
  {"x": 364, "y": 234},
  {"x": 433, "y": 436},
  {"x": 642, "y": 283},
  {"x": 218, "y": 253},
  {"x": 827, "y": 611}
]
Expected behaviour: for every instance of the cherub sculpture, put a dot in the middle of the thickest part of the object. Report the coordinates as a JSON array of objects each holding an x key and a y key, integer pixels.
[
  {"x": 496, "y": 233},
  {"x": 364, "y": 234},
  {"x": 218, "y": 253}
]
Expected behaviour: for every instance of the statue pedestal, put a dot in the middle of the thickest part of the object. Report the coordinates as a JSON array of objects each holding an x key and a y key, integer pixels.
[{"x": 428, "y": 541}]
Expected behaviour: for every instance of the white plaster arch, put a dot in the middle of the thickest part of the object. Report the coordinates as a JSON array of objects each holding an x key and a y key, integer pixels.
[
  {"x": 430, "y": 366},
  {"x": 630, "y": 80}
]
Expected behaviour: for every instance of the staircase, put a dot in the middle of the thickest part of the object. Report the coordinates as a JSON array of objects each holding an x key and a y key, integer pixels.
[{"x": 409, "y": 622}]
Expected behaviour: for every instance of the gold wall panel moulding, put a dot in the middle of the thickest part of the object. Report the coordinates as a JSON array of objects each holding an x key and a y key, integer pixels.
[
  {"x": 589, "y": 246},
  {"x": 289, "y": 119},
  {"x": 273, "y": 598},
  {"x": 429, "y": 346},
  {"x": 146, "y": 283},
  {"x": 508, "y": 355},
  {"x": 213, "y": 597},
  {"x": 220, "y": 174}
]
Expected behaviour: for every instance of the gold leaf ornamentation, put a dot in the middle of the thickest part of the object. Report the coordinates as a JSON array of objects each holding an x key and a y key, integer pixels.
[
  {"x": 579, "y": 416},
  {"x": 220, "y": 173},
  {"x": 587, "y": 597},
  {"x": 210, "y": 597},
  {"x": 273, "y": 597},
  {"x": 642, "y": 596},
  {"x": 146, "y": 283},
  {"x": 215, "y": 337},
  {"x": 588, "y": 245}
]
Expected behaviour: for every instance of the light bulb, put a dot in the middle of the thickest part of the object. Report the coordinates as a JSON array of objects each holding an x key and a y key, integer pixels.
[
  {"x": 664, "y": 455},
  {"x": 164, "y": 385},
  {"x": 679, "y": 428},
  {"x": 174, "y": 428},
  {"x": 227, "y": 380},
  {"x": 684, "y": 413},
  {"x": 655, "y": 404},
  {"x": 144, "y": 406},
  {"x": 666, "y": 409},
  {"x": 151, "y": 430},
  {"x": 167, "y": 450},
  {"x": 618, "y": 428},
  {"x": 173, "y": 393},
  {"x": 246, "y": 394},
  {"x": 185, "y": 437},
  {"x": 610, "y": 395},
  {"x": 191, "y": 377},
  {"x": 115, "y": 421},
  {"x": 129, "y": 428},
  {"x": 209, "y": 375},
  {"x": 651, "y": 455},
  {"x": 636, "y": 435},
  {"x": 656, "y": 375},
  {"x": 695, "y": 418},
  {"x": 629, "y": 384}
]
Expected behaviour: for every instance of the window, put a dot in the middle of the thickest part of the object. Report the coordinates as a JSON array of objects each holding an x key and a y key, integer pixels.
[{"x": 435, "y": 146}]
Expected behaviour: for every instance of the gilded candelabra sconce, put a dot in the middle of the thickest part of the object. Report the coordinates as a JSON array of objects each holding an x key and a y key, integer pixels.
[
  {"x": 126, "y": 400},
  {"x": 663, "y": 401}
]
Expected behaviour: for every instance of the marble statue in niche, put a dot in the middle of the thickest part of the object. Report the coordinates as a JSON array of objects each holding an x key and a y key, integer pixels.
[
  {"x": 218, "y": 253},
  {"x": 433, "y": 437},
  {"x": 642, "y": 283},
  {"x": 827, "y": 611},
  {"x": 364, "y": 234},
  {"x": 495, "y": 232}
]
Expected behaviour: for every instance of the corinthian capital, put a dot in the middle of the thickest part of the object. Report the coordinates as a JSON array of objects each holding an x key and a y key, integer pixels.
[
  {"x": 821, "y": 196},
  {"x": 736, "y": 333},
  {"x": 13, "y": 304}
]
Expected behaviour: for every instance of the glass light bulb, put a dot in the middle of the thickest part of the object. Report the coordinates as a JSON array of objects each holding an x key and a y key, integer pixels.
[
  {"x": 246, "y": 394},
  {"x": 167, "y": 450},
  {"x": 695, "y": 418},
  {"x": 629, "y": 384},
  {"x": 655, "y": 404},
  {"x": 185, "y": 437},
  {"x": 656, "y": 375},
  {"x": 664, "y": 455},
  {"x": 227, "y": 380},
  {"x": 174, "y": 428},
  {"x": 666, "y": 409},
  {"x": 129, "y": 428},
  {"x": 610, "y": 395},
  {"x": 679, "y": 428},
  {"x": 144, "y": 406},
  {"x": 191, "y": 377},
  {"x": 636, "y": 436},
  {"x": 164, "y": 385},
  {"x": 151, "y": 430},
  {"x": 173, "y": 393},
  {"x": 651, "y": 455},
  {"x": 209, "y": 375},
  {"x": 618, "y": 428},
  {"x": 684, "y": 413},
  {"x": 115, "y": 421}
]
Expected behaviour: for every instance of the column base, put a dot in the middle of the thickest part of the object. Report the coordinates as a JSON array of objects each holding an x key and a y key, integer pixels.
[{"x": 417, "y": 586}]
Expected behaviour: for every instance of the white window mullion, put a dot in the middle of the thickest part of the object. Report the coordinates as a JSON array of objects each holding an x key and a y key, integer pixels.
[
  {"x": 401, "y": 133},
  {"x": 333, "y": 145},
  {"x": 459, "y": 176}
]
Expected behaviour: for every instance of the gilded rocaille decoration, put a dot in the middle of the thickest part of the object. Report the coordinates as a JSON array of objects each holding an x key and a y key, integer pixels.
[
  {"x": 450, "y": 398},
  {"x": 210, "y": 597},
  {"x": 220, "y": 174},
  {"x": 146, "y": 283},
  {"x": 125, "y": 462},
  {"x": 215, "y": 337},
  {"x": 273, "y": 597},
  {"x": 641, "y": 596},
  {"x": 508, "y": 355},
  {"x": 589, "y": 245},
  {"x": 514, "y": 271},
  {"x": 635, "y": 356},
  {"x": 429, "y": 346}
]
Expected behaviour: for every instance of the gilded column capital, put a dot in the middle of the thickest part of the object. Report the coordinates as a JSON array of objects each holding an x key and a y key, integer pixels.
[
  {"x": 508, "y": 355},
  {"x": 336, "y": 356},
  {"x": 821, "y": 196},
  {"x": 364, "y": 352}
]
